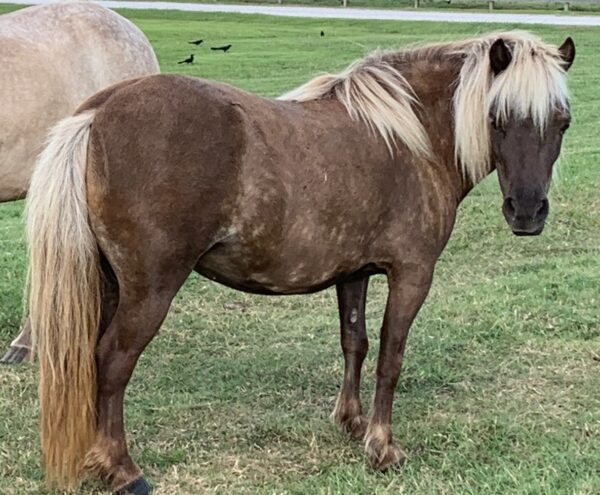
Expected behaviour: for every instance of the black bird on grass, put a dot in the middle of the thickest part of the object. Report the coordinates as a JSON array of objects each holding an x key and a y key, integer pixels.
[
  {"x": 196, "y": 42},
  {"x": 222, "y": 48},
  {"x": 322, "y": 33},
  {"x": 189, "y": 60}
]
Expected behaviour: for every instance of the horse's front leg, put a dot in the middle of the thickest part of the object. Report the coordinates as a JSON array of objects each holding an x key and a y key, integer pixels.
[
  {"x": 20, "y": 348},
  {"x": 408, "y": 287},
  {"x": 351, "y": 303}
]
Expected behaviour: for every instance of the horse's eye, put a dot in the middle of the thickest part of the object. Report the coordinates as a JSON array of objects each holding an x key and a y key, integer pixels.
[{"x": 497, "y": 126}]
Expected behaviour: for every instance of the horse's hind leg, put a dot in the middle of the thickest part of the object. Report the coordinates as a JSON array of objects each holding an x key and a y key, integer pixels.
[
  {"x": 20, "y": 348},
  {"x": 351, "y": 304},
  {"x": 142, "y": 307}
]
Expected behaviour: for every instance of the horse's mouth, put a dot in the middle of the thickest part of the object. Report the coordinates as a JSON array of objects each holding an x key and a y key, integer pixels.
[{"x": 528, "y": 232}]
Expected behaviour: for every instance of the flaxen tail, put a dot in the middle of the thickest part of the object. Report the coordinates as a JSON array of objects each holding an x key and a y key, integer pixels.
[{"x": 64, "y": 299}]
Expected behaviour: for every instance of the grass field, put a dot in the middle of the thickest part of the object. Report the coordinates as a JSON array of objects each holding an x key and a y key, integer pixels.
[{"x": 500, "y": 393}]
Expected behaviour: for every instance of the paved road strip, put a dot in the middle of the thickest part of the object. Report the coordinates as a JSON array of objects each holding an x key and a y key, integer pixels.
[{"x": 350, "y": 13}]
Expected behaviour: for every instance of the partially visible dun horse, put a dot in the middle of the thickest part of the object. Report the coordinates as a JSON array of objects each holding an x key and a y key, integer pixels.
[
  {"x": 53, "y": 57},
  {"x": 350, "y": 175}
]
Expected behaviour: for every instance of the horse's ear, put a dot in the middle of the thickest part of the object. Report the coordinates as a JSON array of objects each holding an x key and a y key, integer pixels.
[
  {"x": 567, "y": 53},
  {"x": 500, "y": 56}
]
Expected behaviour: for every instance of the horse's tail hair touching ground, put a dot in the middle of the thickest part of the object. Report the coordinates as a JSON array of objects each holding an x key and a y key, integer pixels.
[{"x": 64, "y": 299}]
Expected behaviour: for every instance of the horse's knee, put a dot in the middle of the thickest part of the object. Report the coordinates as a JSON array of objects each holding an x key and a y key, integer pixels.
[{"x": 359, "y": 346}]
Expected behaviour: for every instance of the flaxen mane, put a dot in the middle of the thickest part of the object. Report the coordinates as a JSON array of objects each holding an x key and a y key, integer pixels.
[{"x": 374, "y": 91}]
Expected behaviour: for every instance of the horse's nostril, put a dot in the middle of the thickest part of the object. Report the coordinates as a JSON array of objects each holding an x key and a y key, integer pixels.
[
  {"x": 509, "y": 207},
  {"x": 542, "y": 209}
]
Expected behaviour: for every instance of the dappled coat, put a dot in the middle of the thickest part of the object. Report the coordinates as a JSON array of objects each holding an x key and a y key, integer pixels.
[{"x": 52, "y": 58}]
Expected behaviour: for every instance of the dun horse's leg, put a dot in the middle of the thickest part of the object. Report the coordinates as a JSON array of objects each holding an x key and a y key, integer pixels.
[
  {"x": 20, "y": 347},
  {"x": 407, "y": 291},
  {"x": 135, "y": 322},
  {"x": 351, "y": 303}
]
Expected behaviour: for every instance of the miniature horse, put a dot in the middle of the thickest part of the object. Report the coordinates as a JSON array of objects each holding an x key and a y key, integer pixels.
[{"x": 350, "y": 175}]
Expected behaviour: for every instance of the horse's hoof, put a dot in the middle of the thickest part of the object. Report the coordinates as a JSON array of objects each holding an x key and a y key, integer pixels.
[
  {"x": 392, "y": 457},
  {"x": 356, "y": 427},
  {"x": 15, "y": 355},
  {"x": 137, "y": 487}
]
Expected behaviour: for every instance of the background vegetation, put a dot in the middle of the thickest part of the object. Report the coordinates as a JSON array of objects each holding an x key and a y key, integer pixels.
[{"x": 500, "y": 391}]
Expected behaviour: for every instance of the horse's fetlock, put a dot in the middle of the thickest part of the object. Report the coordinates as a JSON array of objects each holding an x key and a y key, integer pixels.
[{"x": 381, "y": 450}]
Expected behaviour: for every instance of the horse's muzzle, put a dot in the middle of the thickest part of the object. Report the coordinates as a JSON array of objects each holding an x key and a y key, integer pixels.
[{"x": 526, "y": 217}]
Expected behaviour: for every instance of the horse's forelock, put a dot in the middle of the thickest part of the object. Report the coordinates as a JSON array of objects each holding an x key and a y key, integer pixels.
[{"x": 532, "y": 86}]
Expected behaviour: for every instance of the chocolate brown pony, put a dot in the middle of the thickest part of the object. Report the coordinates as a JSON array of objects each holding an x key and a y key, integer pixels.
[{"x": 350, "y": 175}]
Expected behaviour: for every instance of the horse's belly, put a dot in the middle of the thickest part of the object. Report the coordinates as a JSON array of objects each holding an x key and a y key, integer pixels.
[{"x": 273, "y": 273}]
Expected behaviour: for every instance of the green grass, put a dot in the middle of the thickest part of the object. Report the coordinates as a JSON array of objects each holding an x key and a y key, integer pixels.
[{"x": 500, "y": 391}]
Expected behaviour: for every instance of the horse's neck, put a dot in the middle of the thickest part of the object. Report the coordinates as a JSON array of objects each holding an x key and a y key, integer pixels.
[{"x": 432, "y": 82}]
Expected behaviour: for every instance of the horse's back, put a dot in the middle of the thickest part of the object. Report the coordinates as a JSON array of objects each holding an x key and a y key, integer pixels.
[
  {"x": 200, "y": 132},
  {"x": 87, "y": 42}
]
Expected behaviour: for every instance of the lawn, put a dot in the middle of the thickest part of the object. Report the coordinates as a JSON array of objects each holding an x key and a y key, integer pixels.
[{"x": 500, "y": 390}]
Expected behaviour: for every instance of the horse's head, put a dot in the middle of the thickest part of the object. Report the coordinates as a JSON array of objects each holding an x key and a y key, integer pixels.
[{"x": 526, "y": 134}]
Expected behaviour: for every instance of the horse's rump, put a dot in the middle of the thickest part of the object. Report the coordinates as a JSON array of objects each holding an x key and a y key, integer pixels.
[{"x": 52, "y": 58}]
